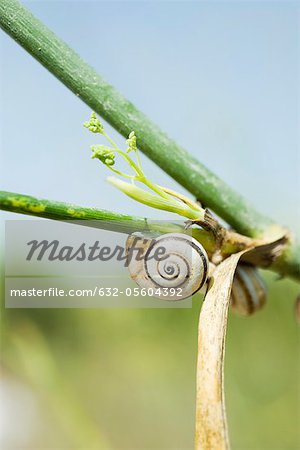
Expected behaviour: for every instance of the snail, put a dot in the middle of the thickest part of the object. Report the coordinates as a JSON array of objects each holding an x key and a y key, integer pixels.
[
  {"x": 177, "y": 273},
  {"x": 248, "y": 293}
]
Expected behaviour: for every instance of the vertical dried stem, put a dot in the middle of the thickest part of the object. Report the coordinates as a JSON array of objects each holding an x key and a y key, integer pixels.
[{"x": 211, "y": 423}]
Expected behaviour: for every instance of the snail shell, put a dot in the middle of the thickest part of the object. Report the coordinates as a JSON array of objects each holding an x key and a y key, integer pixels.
[
  {"x": 184, "y": 265},
  {"x": 248, "y": 293}
]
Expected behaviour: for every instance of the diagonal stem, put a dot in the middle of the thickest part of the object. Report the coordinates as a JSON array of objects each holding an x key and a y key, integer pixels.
[{"x": 87, "y": 84}]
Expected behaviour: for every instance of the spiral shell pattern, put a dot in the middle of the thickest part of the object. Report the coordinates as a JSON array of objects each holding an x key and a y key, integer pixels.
[
  {"x": 183, "y": 266},
  {"x": 248, "y": 293}
]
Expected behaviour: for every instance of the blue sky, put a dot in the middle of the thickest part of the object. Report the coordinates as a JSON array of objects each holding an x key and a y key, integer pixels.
[{"x": 222, "y": 78}]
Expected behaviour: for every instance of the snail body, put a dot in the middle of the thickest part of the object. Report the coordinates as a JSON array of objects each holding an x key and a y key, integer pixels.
[
  {"x": 178, "y": 273},
  {"x": 248, "y": 293}
]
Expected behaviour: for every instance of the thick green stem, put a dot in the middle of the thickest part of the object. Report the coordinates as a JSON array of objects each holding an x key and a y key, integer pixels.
[{"x": 88, "y": 85}]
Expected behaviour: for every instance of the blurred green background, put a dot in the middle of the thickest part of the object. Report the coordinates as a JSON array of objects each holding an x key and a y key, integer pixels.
[
  {"x": 222, "y": 78},
  {"x": 125, "y": 379}
]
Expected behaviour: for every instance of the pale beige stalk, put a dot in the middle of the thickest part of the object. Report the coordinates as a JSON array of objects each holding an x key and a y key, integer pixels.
[{"x": 211, "y": 422}]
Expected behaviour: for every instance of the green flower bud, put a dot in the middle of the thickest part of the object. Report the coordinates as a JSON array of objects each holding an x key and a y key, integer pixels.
[
  {"x": 94, "y": 125},
  {"x": 154, "y": 201},
  {"x": 131, "y": 142},
  {"x": 104, "y": 154}
]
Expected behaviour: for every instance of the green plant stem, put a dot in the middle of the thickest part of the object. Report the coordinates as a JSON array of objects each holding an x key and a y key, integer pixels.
[
  {"x": 88, "y": 85},
  {"x": 121, "y": 223},
  {"x": 97, "y": 218},
  {"x": 103, "y": 98}
]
